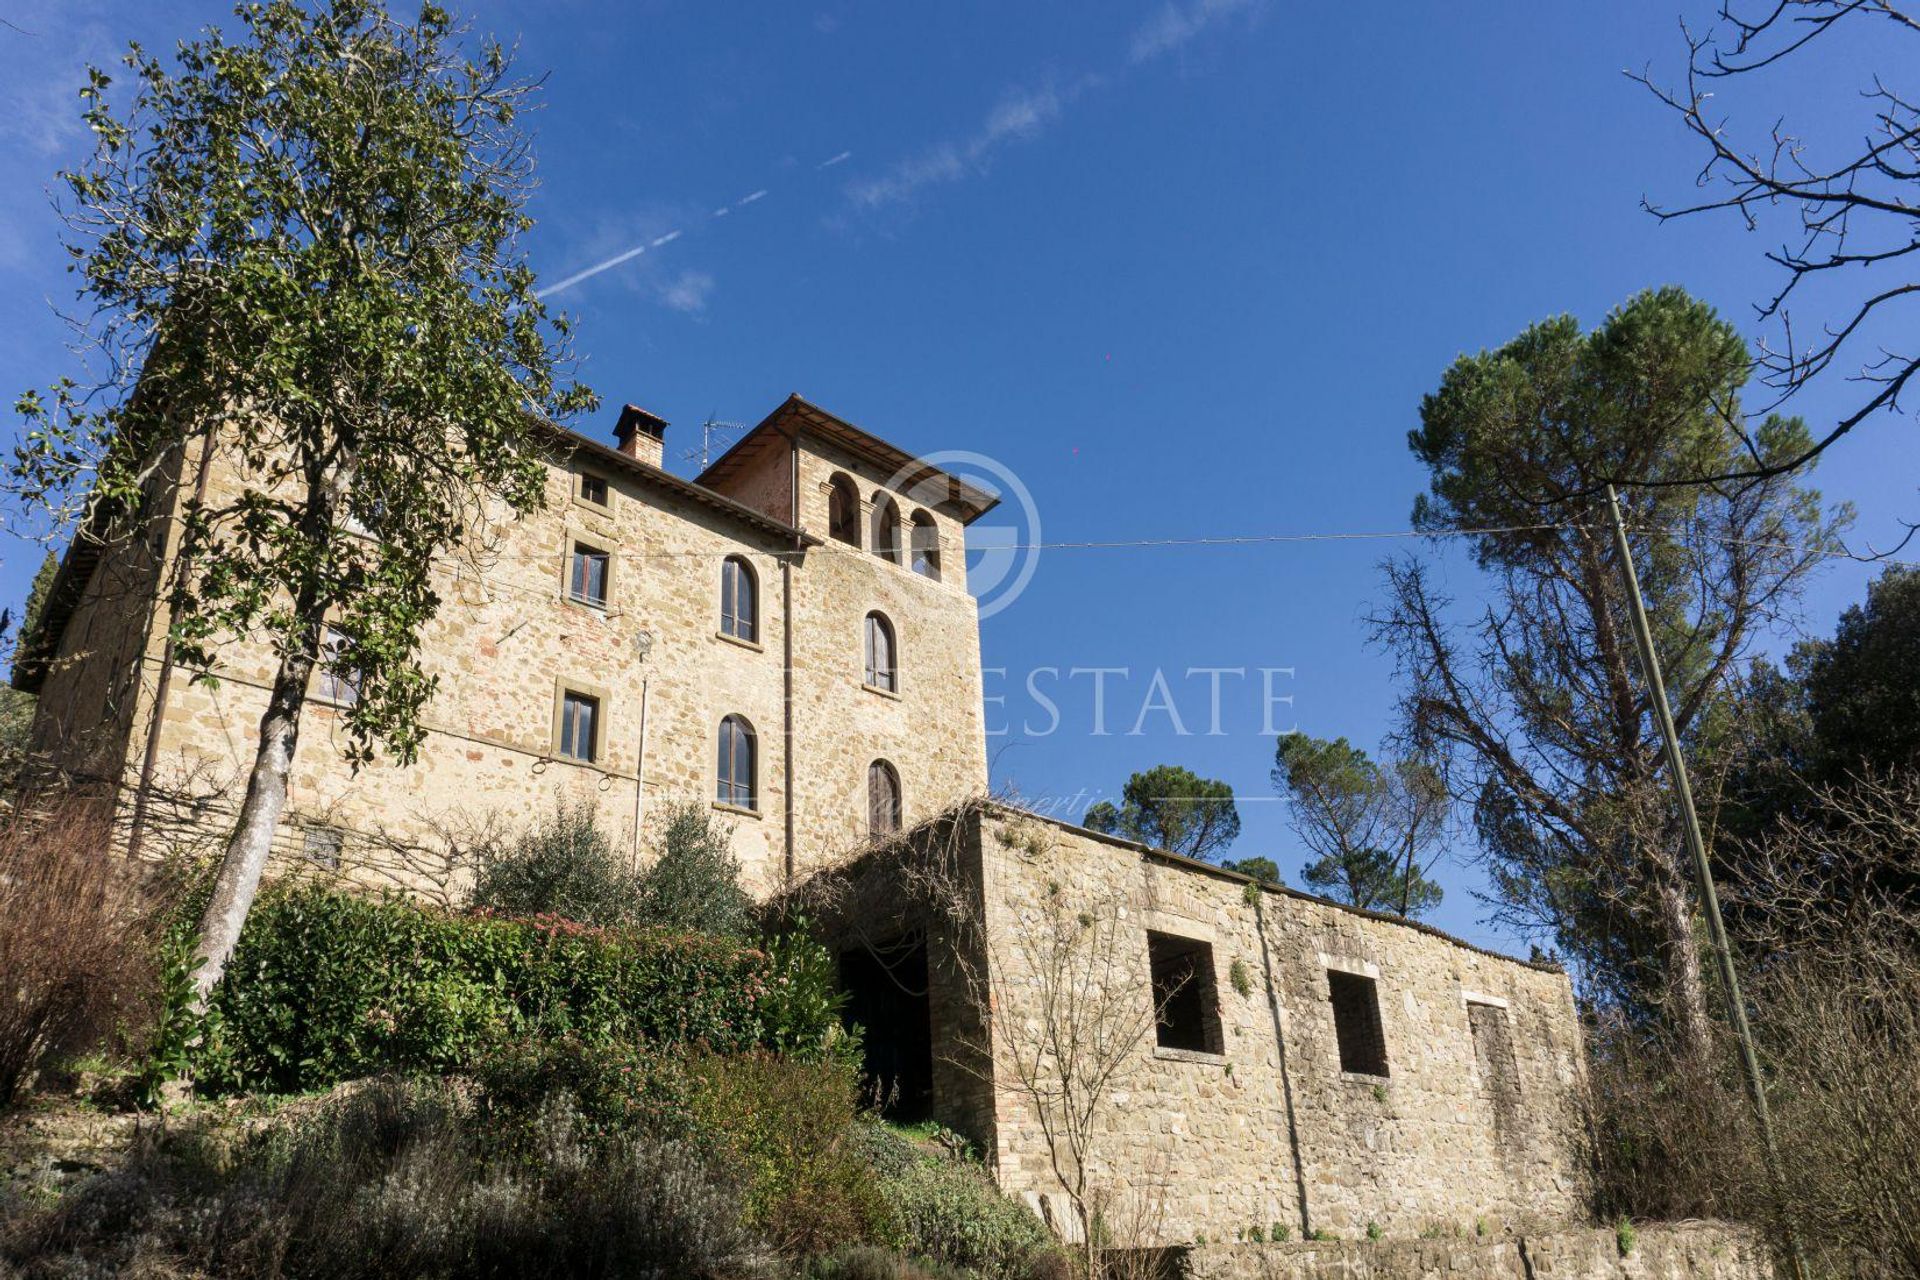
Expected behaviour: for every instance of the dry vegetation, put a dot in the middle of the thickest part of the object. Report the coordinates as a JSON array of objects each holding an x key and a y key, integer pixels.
[
  {"x": 1830, "y": 925},
  {"x": 76, "y": 927}
]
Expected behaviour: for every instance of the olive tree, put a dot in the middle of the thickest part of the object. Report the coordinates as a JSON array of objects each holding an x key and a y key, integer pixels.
[{"x": 303, "y": 247}]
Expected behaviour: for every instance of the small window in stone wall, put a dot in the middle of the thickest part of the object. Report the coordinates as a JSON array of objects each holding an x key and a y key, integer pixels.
[
  {"x": 1356, "y": 1023},
  {"x": 1493, "y": 1055},
  {"x": 321, "y": 846},
  {"x": 1187, "y": 1011}
]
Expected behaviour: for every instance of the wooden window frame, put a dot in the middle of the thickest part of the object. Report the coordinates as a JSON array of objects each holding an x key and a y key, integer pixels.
[
  {"x": 731, "y": 801},
  {"x": 603, "y": 708},
  {"x": 578, "y": 544},
  {"x": 730, "y": 624},
  {"x": 885, "y": 767},
  {"x": 870, "y": 674},
  {"x": 328, "y": 684},
  {"x": 602, "y": 505}
]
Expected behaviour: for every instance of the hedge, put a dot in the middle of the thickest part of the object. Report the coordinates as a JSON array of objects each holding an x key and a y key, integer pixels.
[{"x": 327, "y": 985}]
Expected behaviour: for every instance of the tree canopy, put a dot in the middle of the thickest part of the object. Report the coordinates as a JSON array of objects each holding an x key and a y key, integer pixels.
[
  {"x": 1368, "y": 825},
  {"x": 303, "y": 246},
  {"x": 1537, "y": 697},
  {"x": 1171, "y": 808}
]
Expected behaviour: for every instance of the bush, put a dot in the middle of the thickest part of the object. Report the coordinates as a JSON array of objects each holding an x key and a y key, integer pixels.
[
  {"x": 77, "y": 926},
  {"x": 327, "y": 985},
  {"x": 787, "y": 1125},
  {"x": 564, "y": 867},
  {"x": 695, "y": 881},
  {"x": 396, "y": 1180},
  {"x": 1830, "y": 927},
  {"x": 949, "y": 1211},
  {"x": 784, "y": 1126},
  {"x": 567, "y": 867}
]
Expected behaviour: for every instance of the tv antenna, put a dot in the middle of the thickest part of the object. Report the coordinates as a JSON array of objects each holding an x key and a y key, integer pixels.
[{"x": 711, "y": 430}]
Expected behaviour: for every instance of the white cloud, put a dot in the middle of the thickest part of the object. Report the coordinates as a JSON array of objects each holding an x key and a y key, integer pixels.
[
  {"x": 1019, "y": 116},
  {"x": 1176, "y": 24},
  {"x": 686, "y": 292}
]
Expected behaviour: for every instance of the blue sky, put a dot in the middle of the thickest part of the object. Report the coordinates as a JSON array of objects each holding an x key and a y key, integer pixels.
[{"x": 1185, "y": 270}]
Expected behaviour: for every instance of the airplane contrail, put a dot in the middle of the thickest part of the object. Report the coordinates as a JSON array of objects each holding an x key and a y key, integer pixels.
[{"x": 591, "y": 272}]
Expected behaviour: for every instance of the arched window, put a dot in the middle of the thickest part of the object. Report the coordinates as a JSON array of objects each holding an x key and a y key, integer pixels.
[
  {"x": 881, "y": 670},
  {"x": 739, "y": 601},
  {"x": 926, "y": 546},
  {"x": 886, "y": 529},
  {"x": 843, "y": 511},
  {"x": 736, "y": 772},
  {"x": 883, "y": 799}
]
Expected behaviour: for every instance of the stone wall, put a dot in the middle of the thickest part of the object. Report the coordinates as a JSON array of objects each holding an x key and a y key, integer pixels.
[
  {"x": 1689, "y": 1251},
  {"x": 1457, "y": 1127}
]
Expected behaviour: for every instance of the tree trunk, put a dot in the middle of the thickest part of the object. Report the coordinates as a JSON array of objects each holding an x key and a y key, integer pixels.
[
  {"x": 1686, "y": 983},
  {"x": 252, "y": 841}
]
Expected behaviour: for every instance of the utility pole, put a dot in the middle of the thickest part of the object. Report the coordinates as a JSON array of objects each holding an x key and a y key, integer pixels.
[{"x": 1702, "y": 869}]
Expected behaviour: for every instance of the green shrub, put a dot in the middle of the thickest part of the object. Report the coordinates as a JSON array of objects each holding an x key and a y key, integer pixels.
[
  {"x": 787, "y": 1125},
  {"x": 567, "y": 866},
  {"x": 871, "y": 1262},
  {"x": 564, "y": 866},
  {"x": 694, "y": 883},
  {"x": 949, "y": 1212},
  {"x": 327, "y": 985}
]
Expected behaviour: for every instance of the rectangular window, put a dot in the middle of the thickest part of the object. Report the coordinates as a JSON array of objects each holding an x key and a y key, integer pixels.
[
  {"x": 341, "y": 686},
  {"x": 321, "y": 846},
  {"x": 593, "y": 489},
  {"x": 587, "y": 582},
  {"x": 1356, "y": 1023},
  {"x": 579, "y": 726},
  {"x": 1186, "y": 1010}
]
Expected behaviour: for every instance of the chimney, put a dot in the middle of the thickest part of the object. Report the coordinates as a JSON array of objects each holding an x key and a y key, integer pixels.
[{"x": 641, "y": 435}]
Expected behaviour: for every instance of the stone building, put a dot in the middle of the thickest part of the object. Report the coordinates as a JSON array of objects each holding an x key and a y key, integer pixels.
[
  {"x": 1276, "y": 1058},
  {"x": 789, "y": 640}
]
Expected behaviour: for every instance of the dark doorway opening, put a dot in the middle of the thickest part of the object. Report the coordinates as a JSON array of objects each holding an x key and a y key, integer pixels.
[{"x": 886, "y": 988}]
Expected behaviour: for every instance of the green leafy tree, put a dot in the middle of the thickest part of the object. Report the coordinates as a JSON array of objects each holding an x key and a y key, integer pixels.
[
  {"x": 1171, "y": 808},
  {"x": 307, "y": 243},
  {"x": 1863, "y": 685},
  {"x": 1368, "y": 825},
  {"x": 1538, "y": 697},
  {"x": 1263, "y": 869}
]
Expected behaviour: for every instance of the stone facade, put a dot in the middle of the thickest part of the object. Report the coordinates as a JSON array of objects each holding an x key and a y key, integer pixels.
[
  {"x": 1468, "y": 1114},
  {"x": 509, "y": 642},
  {"x": 1287, "y": 1061}
]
